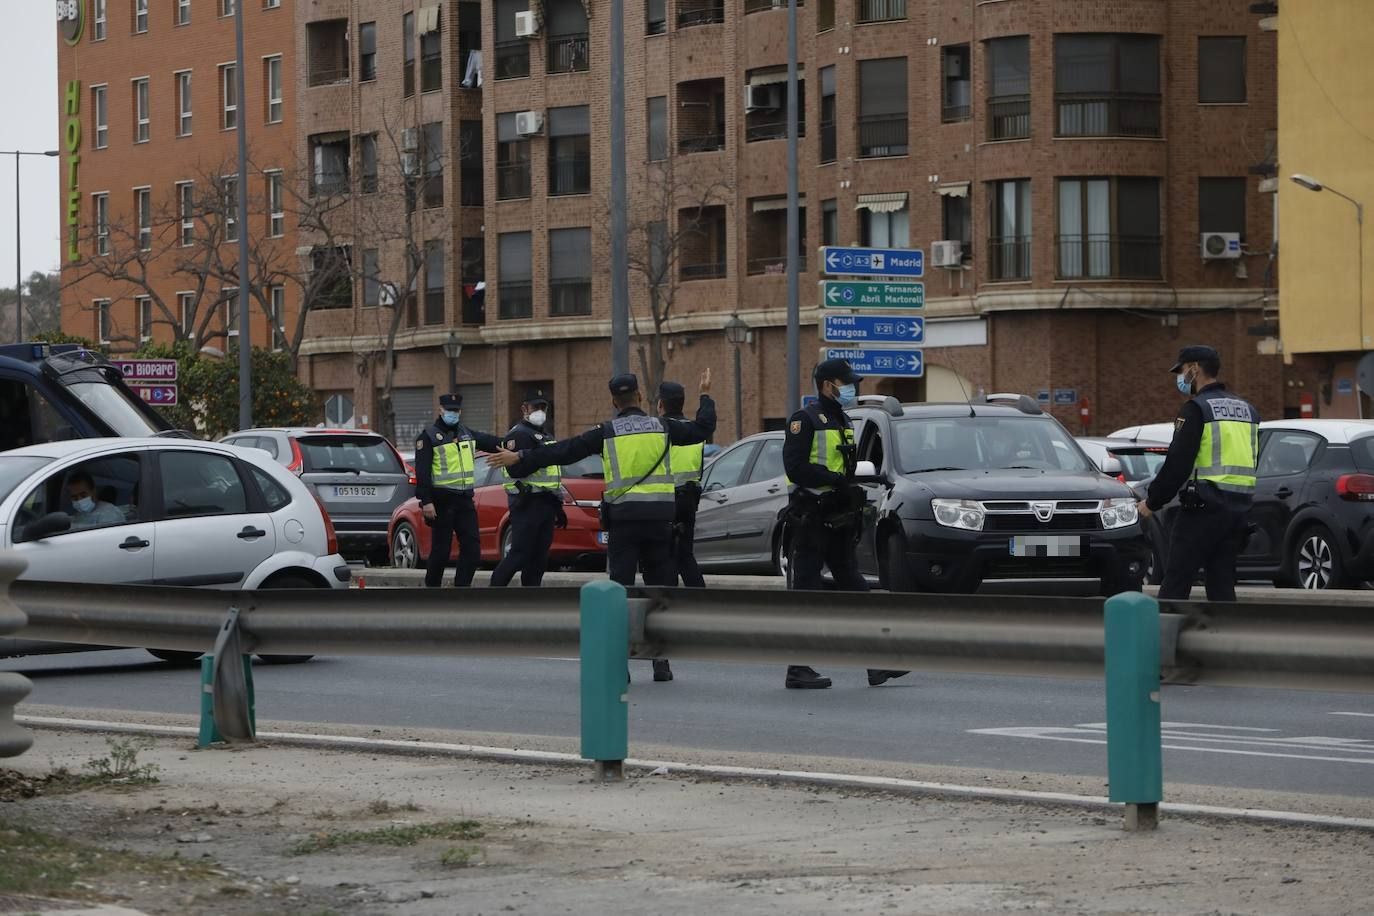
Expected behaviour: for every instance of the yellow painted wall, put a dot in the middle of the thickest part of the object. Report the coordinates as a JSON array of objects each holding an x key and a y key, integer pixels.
[{"x": 1326, "y": 130}]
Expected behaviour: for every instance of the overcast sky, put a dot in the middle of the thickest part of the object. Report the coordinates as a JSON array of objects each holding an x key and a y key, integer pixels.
[{"x": 28, "y": 121}]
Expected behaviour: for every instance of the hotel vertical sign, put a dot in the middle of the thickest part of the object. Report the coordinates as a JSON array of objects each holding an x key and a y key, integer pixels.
[{"x": 71, "y": 22}]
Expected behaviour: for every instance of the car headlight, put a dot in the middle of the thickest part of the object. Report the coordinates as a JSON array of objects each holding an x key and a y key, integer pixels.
[
  {"x": 1118, "y": 513},
  {"x": 958, "y": 513}
]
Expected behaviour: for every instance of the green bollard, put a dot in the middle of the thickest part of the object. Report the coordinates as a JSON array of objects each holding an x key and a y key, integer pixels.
[
  {"x": 605, "y": 653},
  {"x": 209, "y": 734},
  {"x": 1135, "y": 766}
]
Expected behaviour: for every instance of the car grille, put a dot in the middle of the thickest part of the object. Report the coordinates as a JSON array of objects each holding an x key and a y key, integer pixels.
[
  {"x": 1040, "y": 568},
  {"x": 1027, "y": 522}
]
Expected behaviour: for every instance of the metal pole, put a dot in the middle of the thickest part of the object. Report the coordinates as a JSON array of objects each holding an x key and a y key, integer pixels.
[
  {"x": 18, "y": 271},
  {"x": 452, "y": 375},
  {"x": 739, "y": 400},
  {"x": 620, "y": 258},
  {"x": 245, "y": 340},
  {"x": 604, "y": 651},
  {"x": 793, "y": 222}
]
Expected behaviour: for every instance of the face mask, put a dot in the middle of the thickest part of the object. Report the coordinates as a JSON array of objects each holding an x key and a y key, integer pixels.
[
  {"x": 451, "y": 417},
  {"x": 84, "y": 505},
  {"x": 847, "y": 395},
  {"x": 1185, "y": 385},
  {"x": 537, "y": 417}
]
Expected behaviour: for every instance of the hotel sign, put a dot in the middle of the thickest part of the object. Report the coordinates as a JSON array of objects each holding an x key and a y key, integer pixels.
[{"x": 71, "y": 20}]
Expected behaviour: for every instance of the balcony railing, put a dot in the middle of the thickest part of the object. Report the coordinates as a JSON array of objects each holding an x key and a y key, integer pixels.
[
  {"x": 882, "y": 135},
  {"x": 568, "y": 53},
  {"x": 570, "y": 297},
  {"x": 828, "y": 141},
  {"x": 570, "y": 175},
  {"x": 512, "y": 59},
  {"x": 1123, "y": 257},
  {"x": 1088, "y": 115},
  {"x": 956, "y": 105},
  {"x": 763, "y": 6},
  {"x": 774, "y": 264},
  {"x": 1009, "y": 257},
  {"x": 517, "y": 299},
  {"x": 772, "y": 127},
  {"x": 707, "y": 271},
  {"x": 881, "y": 10},
  {"x": 328, "y": 76},
  {"x": 1008, "y": 117},
  {"x": 701, "y": 143},
  {"x": 700, "y": 12},
  {"x": 512, "y": 180}
]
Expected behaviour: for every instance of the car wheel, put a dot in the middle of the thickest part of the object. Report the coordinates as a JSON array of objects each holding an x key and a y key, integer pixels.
[
  {"x": 780, "y": 550},
  {"x": 1317, "y": 560},
  {"x": 896, "y": 571},
  {"x": 289, "y": 582},
  {"x": 505, "y": 542},
  {"x": 175, "y": 656},
  {"x": 405, "y": 547}
]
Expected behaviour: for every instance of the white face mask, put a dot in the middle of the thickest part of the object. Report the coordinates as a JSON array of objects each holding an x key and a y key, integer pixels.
[
  {"x": 83, "y": 505},
  {"x": 537, "y": 417}
]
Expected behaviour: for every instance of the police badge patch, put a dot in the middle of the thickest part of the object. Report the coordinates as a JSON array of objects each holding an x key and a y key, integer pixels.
[
  {"x": 796, "y": 427},
  {"x": 419, "y": 444},
  {"x": 510, "y": 445}
]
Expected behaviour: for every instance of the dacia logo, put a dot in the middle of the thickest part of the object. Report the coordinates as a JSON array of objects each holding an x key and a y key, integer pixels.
[{"x": 1043, "y": 511}]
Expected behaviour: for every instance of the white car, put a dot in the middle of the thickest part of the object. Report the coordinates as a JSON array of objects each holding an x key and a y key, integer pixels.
[
  {"x": 164, "y": 512},
  {"x": 1150, "y": 432}
]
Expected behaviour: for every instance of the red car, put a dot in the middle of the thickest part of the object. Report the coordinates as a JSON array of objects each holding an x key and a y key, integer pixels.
[{"x": 582, "y": 543}]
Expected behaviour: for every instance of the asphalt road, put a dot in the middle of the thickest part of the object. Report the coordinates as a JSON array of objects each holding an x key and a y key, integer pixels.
[{"x": 1274, "y": 740}]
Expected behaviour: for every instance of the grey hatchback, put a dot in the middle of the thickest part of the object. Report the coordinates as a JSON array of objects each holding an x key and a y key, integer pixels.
[
  {"x": 358, "y": 476},
  {"x": 743, "y": 491}
]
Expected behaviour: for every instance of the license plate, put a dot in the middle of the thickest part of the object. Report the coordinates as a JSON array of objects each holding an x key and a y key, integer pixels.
[
  {"x": 1046, "y": 545},
  {"x": 602, "y": 538},
  {"x": 362, "y": 492}
]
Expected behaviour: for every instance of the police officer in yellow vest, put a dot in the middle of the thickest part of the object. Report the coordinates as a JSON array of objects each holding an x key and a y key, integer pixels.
[
  {"x": 1211, "y": 467},
  {"x": 640, "y": 501},
  {"x": 445, "y": 455},
  {"x": 824, "y": 507},
  {"x": 686, "y": 461},
  {"x": 535, "y": 501}
]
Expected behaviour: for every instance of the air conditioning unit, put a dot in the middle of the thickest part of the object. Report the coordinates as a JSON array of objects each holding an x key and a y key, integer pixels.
[
  {"x": 762, "y": 98},
  {"x": 526, "y": 26},
  {"x": 410, "y": 139},
  {"x": 1220, "y": 246},
  {"x": 529, "y": 123},
  {"x": 947, "y": 253}
]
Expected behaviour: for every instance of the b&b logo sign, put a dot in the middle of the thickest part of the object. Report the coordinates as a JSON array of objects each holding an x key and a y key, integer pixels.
[{"x": 70, "y": 19}]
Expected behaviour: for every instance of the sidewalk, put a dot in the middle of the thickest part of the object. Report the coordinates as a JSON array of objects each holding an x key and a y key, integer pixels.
[{"x": 547, "y": 840}]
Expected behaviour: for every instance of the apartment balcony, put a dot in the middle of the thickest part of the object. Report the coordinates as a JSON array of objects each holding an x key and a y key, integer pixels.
[
  {"x": 512, "y": 59},
  {"x": 881, "y": 10},
  {"x": 1009, "y": 257},
  {"x": 570, "y": 175},
  {"x": 1009, "y": 117},
  {"x": 568, "y": 53},
  {"x": 709, "y": 270},
  {"x": 882, "y": 135},
  {"x": 1117, "y": 115},
  {"x": 1109, "y": 257},
  {"x": 707, "y": 142},
  {"x": 699, "y": 12}
]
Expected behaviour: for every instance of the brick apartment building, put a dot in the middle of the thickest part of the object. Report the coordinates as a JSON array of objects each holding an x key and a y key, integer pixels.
[{"x": 149, "y": 134}]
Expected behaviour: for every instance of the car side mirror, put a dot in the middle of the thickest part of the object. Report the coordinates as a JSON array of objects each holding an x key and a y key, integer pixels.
[
  {"x": 714, "y": 485},
  {"x": 867, "y": 472},
  {"x": 47, "y": 526},
  {"x": 1111, "y": 466}
]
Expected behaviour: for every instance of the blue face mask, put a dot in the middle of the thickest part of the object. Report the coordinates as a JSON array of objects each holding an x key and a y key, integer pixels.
[
  {"x": 847, "y": 395},
  {"x": 451, "y": 417},
  {"x": 1185, "y": 386}
]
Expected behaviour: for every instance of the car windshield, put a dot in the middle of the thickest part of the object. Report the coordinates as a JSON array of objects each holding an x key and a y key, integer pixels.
[
  {"x": 985, "y": 443},
  {"x": 1140, "y": 463},
  {"x": 589, "y": 467},
  {"x": 15, "y": 469},
  {"x": 370, "y": 454},
  {"x": 111, "y": 404}
]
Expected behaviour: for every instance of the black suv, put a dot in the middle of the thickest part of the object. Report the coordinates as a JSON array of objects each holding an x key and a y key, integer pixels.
[
  {"x": 51, "y": 392},
  {"x": 992, "y": 490}
]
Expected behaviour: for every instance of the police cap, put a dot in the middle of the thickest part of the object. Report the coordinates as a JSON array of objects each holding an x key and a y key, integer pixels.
[
  {"x": 536, "y": 396},
  {"x": 671, "y": 391},
  {"x": 836, "y": 369},
  {"x": 451, "y": 401},
  {"x": 624, "y": 383},
  {"x": 1195, "y": 354}
]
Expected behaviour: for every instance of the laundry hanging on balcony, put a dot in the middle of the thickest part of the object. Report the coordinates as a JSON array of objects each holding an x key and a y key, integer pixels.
[{"x": 472, "y": 79}]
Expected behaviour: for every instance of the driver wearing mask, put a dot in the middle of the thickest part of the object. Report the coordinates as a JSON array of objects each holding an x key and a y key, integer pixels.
[{"x": 87, "y": 511}]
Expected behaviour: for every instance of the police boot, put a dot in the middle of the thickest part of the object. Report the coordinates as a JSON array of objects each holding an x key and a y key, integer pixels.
[
  {"x": 661, "y": 670},
  {"x": 878, "y": 676},
  {"x": 800, "y": 677}
]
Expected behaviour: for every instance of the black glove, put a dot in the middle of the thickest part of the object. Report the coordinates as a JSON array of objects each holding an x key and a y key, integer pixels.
[{"x": 560, "y": 520}]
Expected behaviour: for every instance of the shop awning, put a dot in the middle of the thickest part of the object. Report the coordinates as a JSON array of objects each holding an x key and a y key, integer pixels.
[
  {"x": 889, "y": 202},
  {"x": 765, "y": 204},
  {"x": 953, "y": 189}
]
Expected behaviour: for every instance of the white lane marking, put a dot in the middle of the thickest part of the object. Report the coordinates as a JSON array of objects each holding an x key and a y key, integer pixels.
[
  {"x": 1364, "y": 715},
  {"x": 833, "y": 780},
  {"x": 1097, "y": 736}
]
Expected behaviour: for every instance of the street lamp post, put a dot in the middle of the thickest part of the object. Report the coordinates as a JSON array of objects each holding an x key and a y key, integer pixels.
[
  {"x": 737, "y": 332},
  {"x": 18, "y": 233},
  {"x": 453, "y": 348}
]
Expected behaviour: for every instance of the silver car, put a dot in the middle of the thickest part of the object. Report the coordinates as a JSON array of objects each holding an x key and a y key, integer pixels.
[
  {"x": 358, "y": 475},
  {"x": 743, "y": 491}
]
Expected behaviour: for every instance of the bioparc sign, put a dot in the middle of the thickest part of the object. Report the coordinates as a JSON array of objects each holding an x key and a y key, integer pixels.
[{"x": 71, "y": 22}]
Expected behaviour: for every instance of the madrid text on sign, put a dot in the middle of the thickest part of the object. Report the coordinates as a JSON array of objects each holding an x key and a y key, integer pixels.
[{"x": 897, "y": 262}]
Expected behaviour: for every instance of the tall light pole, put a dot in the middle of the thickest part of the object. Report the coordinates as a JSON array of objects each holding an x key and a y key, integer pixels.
[
  {"x": 453, "y": 348},
  {"x": 793, "y": 224},
  {"x": 620, "y": 256},
  {"x": 18, "y": 234},
  {"x": 241, "y": 123},
  {"x": 737, "y": 332}
]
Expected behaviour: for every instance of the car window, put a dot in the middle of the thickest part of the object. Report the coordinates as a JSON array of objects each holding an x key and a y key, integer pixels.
[
  {"x": 727, "y": 470},
  {"x": 200, "y": 483},
  {"x": 99, "y": 493},
  {"x": 871, "y": 445},
  {"x": 768, "y": 465},
  {"x": 269, "y": 445},
  {"x": 370, "y": 454},
  {"x": 1287, "y": 452},
  {"x": 985, "y": 443},
  {"x": 589, "y": 468},
  {"x": 14, "y": 470},
  {"x": 1137, "y": 465},
  {"x": 1363, "y": 450},
  {"x": 274, "y": 495},
  {"x": 28, "y": 418}
]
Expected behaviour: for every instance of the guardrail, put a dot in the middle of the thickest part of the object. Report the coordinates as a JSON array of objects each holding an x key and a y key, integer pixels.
[
  {"x": 1260, "y": 643},
  {"x": 13, "y": 687}
]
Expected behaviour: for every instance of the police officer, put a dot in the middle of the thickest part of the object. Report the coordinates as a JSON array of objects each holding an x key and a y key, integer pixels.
[
  {"x": 686, "y": 461},
  {"x": 640, "y": 502},
  {"x": 535, "y": 501},
  {"x": 1211, "y": 467},
  {"x": 445, "y": 456},
  {"x": 825, "y": 508}
]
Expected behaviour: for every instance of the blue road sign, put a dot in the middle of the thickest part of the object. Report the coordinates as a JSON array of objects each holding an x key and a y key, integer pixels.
[
  {"x": 1065, "y": 397},
  {"x": 874, "y": 262},
  {"x": 872, "y": 361},
  {"x": 873, "y": 329}
]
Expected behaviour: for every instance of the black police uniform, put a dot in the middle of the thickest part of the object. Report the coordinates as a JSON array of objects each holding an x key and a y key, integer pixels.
[
  {"x": 1208, "y": 528},
  {"x": 534, "y": 512},
  {"x": 639, "y": 534},
  {"x": 688, "y": 500},
  {"x": 454, "y": 509},
  {"x": 824, "y": 528}
]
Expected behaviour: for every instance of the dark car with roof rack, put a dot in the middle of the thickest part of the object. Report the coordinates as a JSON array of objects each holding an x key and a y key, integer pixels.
[{"x": 990, "y": 491}]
